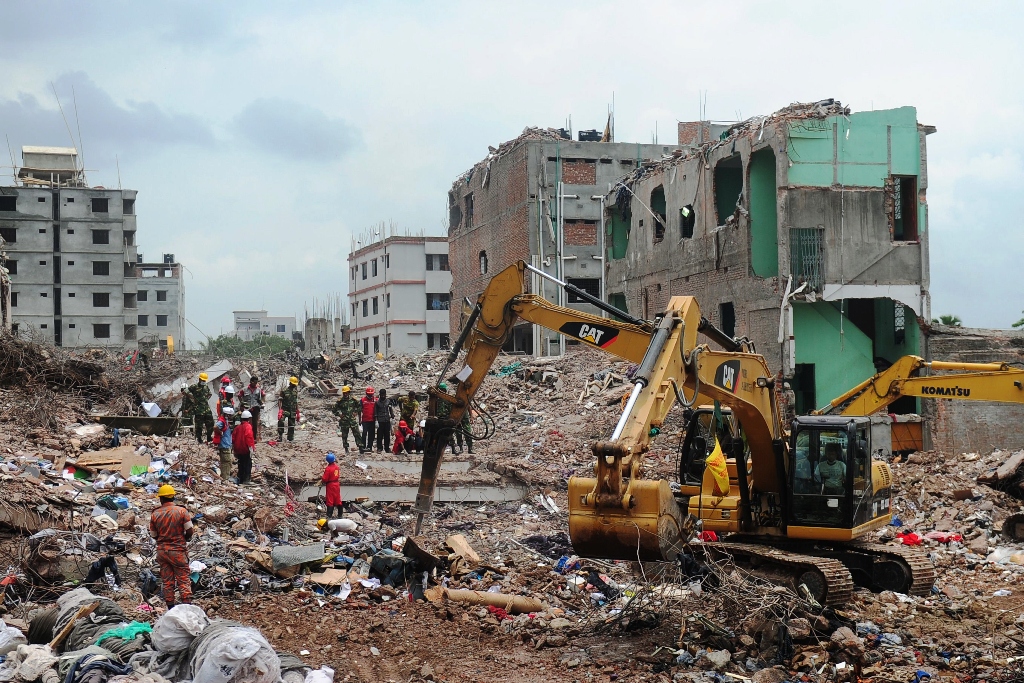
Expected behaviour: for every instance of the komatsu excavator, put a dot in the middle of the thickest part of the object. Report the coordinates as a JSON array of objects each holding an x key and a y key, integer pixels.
[{"x": 801, "y": 498}]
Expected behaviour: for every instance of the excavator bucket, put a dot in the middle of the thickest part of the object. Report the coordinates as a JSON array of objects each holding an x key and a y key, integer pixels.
[{"x": 653, "y": 529}]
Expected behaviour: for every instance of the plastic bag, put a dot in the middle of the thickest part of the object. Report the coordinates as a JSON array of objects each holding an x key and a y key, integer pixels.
[
  {"x": 175, "y": 630},
  {"x": 239, "y": 654},
  {"x": 324, "y": 674},
  {"x": 10, "y": 638}
]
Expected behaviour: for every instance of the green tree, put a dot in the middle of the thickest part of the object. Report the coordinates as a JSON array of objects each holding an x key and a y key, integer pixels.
[
  {"x": 262, "y": 346},
  {"x": 1019, "y": 323},
  {"x": 951, "y": 320}
]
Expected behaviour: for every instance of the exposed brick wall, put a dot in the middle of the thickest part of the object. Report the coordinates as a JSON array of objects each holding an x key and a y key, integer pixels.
[
  {"x": 963, "y": 426},
  {"x": 578, "y": 172},
  {"x": 692, "y": 133},
  {"x": 501, "y": 228},
  {"x": 580, "y": 233}
]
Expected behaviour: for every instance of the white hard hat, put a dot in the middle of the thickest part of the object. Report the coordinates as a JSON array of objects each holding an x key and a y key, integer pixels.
[
  {"x": 423, "y": 423},
  {"x": 246, "y": 414},
  {"x": 228, "y": 410}
]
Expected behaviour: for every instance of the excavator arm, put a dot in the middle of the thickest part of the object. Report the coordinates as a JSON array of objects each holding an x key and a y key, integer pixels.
[{"x": 965, "y": 381}]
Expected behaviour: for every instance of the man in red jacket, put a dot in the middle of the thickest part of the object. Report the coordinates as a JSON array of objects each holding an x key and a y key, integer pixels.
[
  {"x": 366, "y": 409},
  {"x": 332, "y": 486},
  {"x": 243, "y": 445}
]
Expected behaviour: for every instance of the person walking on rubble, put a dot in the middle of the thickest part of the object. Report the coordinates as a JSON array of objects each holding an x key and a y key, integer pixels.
[
  {"x": 222, "y": 433},
  {"x": 366, "y": 414},
  {"x": 188, "y": 403},
  {"x": 252, "y": 399},
  {"x": 407, "y": 408},
  {"x": 331, "y": 480},
  {"x": 347, "y": 410},
  {"x": 203, "y": 415},
  {"x": 463, "y": 431},
  {"x": 170, "y": 526},
  {"x": 382, "y": 413},
  {"x": 244, "y": 446},
  {"x": 289, "y": 409}
]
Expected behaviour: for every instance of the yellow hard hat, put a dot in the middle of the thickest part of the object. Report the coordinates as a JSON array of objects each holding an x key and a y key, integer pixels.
[
  {"x": 203, "y": 376},
  {"x": 166, "y": 491},
  {"x": 293, "y": 380},
  {"x": 345, "y": 389},
  {"x": 320, "y": 522}
]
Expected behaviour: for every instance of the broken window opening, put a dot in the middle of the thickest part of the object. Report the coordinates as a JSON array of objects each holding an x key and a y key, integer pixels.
[
  {"x": 9, "y": 202},
  {"x": 376, "y": 343},
  {"x": 764, "y": 221},
  {"x": 658, "y": 207},
  {"x": 129, "y": 207},
  {"x": 12, "y": 266},
  {"x": 9, "y": 235},
  {"x": 728, "y": 187},
  {"x": 101, "y": 237},
  {"x": 483, "y": 263},
  {"x": 454, "y": 213},
  {"x": 590, "y": 285},
  {"x": 101, "y": 267},
  {"x": 366, "y": 347},
  {"x": 904, "y": 208},
  {"x": 469, "y": 210},
  {"x": 438, "y": 302},
  {"x": 101, "y": 330},
  {"x": 130, "y": 300},
  {"x": 687, "y": 220},
  {"x": 727, "y": 318},
  {"x": 100, "y": 204}
]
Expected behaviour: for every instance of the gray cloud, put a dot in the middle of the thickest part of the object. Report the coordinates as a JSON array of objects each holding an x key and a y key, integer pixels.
[
  {"x": 105, "y": 124},
  {"x": 297, "y": 131}
]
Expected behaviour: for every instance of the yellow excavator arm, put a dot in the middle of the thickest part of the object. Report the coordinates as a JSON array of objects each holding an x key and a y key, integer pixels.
[{"x": 965, "y": 381}]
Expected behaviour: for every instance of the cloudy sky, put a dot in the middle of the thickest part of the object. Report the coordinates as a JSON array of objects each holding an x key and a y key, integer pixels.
[{"x": 262, "y": 135}]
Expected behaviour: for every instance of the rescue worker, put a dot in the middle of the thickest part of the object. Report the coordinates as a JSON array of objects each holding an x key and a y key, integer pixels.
[
  {"x": 289, "y": 409},
  {"x": 405, "y": 438},
  {"x": 243, "y": 445},
  {"x": 407, "y": 407},
  {"x": 222, "y": 394},
  {"x": 444, "y": 411},
  {"x": 366, "y": 409},
  {"x": 382, "y": 413},
  {"x": 463, "y": 431},
  {"x": 331, "y": 480},
  {"x": 347, "y": 410},
  {"x": 222, "y": 435},
  {"x": 252, "y": 399},
  {"x": 203, "y": 415},
  {"x": 188, "y": 403},
  {"x": 170, "y": 526}
]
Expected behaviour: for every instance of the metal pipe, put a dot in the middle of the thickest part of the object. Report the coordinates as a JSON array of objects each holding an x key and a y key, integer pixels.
[
  {"x": 633, "y": 396},
  {"x": 560, "y": 263},
  {"x": 591, "y": 299},
  {"x": 600, "y": 242}
]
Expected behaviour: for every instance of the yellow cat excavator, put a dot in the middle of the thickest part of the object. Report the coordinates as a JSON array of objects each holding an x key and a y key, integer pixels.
[{"x": 796, "y": 506}]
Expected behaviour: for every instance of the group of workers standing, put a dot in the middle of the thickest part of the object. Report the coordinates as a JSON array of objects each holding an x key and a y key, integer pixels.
[{"x": 369, "y": 421}]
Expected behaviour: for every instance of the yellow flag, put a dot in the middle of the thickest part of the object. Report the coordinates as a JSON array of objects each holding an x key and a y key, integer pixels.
[{"x": 718, "y": 469}]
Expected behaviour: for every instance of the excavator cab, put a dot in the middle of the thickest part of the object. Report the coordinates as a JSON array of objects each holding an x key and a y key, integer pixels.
[{"x": 833, "y": 494}]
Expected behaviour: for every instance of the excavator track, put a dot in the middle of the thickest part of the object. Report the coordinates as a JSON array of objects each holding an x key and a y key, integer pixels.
[
  {"x": 833, "y": 582},
  {"x": 922, "y": 571}
]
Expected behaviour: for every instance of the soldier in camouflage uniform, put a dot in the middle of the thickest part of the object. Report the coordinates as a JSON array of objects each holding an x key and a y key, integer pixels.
[
  {"x": 289, "y": 409},
  {"x": 347, "y": 410},
  {"x": 201, "y": 408},
  {"x": 407, "y": 408}
]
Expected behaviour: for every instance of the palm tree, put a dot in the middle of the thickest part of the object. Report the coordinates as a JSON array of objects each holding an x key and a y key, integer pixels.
[
  {"x": 1019, "y": 323},
  {"x": 950, "y": 320}
]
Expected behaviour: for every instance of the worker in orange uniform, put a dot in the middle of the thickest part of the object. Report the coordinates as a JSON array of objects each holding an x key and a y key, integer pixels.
[
  {"x": 170, "y": 526},
  {"x": 332, "y": 485}
]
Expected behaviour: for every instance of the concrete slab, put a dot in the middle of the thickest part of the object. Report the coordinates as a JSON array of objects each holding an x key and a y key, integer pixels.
[{"x": 391, "y": 494}]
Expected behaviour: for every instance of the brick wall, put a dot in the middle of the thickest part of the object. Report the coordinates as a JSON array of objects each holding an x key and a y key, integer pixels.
[
  {"x": 578, "y": 172},
  {"x": 964, "y": 426},
  {"x": 580, "y": 232},
  {"x": 693, "y": 132},
  {"x": 501, "y": 224}
]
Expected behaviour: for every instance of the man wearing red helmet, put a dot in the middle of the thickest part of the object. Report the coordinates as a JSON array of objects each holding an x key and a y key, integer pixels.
[{"x": 366, "y": 410}]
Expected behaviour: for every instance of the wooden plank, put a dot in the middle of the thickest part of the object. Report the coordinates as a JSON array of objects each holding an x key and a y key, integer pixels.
[{"x": 460, "y": 546}]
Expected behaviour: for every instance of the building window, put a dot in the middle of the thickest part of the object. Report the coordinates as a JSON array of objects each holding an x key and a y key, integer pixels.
[
  {"x": 101, "y": 237},
  {"x": 483, "y": 263},
  {"x": 71, "y": 326},
  {"x": 101, "y": 267},
  {"x": 366, "y": 307},
  {"x": 353, "y": 311},
  {"x": 373, "y": 267},
  {"x": 281, "y": 328},
  {"x": 42, "y": 231},
  {"x": 363, "y": 266},
  {"x": 161, "y": 295},
  {"x": 14, "y": 299},
  {"x": 161, "y": 321},
  {"x": 469, "y": 210},
  {"x": 44, "y": 294},
  {"x": 728, "y": 186},
  {"x": 366, "y": 346},
  {"x": 129, "y": 207},
  {"x": 687, "y": 219},
  {"x": 352, "y": 271},
  {"x": 376, "y": 344},
  {"x": 899, "y": 323},
  {"x": 387, "y": 261},
  {"x": 658, "y": 207},
  {"x": 438, "y": 341},
  {"x": 9, "y": 235},
  {"x": 99, "y": 204},
  {"x": 42, "y": 263},
  {"x": 387, "y": 301},
  {"x": 100, "y": 300},
  {"x": 70, "y": 200},
  {"x": 442, "y": 262},
  {"x": 9, "y": 202},
  {"x": 590, "y": 285},
  {"x": 101, "y": 331},
  {"x": 727, "y": 318},
  {"x": 71, "y": 231},
  {"x": 438, "y": 302},
  {"x": 143, "y": 321},
  {"x": 12, "y": 267},
  {"x": 375, "y": 311},
  {"x": 807, "y": 256},
  {"x": 71, "y": 295},
  {"x": 389, "y": 340},
  {"x": 430, "y": 261},
  {"x": 143, "y": 295},
  {"x": 44, "y": 326},
  {"x": 904, "y": 208}
]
